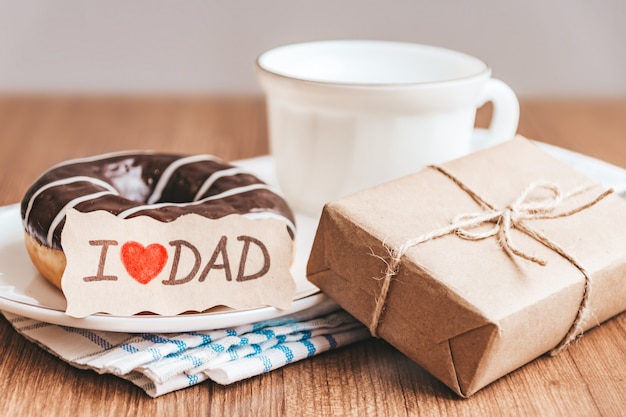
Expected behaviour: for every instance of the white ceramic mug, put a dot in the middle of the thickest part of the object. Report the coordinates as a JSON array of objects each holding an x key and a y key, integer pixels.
[{"x": 347, "y": 115}]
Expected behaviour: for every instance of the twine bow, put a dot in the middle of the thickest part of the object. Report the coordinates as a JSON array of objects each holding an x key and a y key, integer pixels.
[{"x": 540, "y": 200}]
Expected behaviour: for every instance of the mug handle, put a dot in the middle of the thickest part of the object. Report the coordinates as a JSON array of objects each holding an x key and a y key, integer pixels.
[{"x": 505, "y": 117}]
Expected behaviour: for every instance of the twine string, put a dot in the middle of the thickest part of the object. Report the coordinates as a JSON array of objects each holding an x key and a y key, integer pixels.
[{"x": 540, "y": 200}]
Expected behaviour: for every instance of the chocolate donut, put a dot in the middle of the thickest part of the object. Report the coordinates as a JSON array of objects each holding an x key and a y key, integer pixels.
[{"x": 129, "y": 184}]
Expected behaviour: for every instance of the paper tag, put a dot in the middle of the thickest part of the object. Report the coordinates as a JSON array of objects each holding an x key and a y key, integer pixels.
[{"x": 127, "y": 266}]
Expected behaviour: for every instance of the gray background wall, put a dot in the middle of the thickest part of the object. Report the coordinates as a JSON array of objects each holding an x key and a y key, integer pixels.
[{"x": 539, "y": 47}]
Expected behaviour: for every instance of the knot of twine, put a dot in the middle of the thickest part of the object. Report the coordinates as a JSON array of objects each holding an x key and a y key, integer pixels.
[{"x": 538, "y": 201}]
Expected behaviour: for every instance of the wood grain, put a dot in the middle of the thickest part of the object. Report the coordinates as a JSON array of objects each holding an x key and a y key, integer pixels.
[{"x": 367, "y": 379}]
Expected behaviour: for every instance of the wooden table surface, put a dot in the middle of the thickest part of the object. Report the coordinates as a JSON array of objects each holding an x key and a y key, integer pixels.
[{"x": 369, "y": 378}]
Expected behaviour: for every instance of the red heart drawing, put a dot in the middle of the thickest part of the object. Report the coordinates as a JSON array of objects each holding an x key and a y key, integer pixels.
[{"x": 143, "y": 263}]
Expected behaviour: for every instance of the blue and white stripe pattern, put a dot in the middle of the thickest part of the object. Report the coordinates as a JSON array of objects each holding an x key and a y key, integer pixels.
[{"x": 161, "y": 363}]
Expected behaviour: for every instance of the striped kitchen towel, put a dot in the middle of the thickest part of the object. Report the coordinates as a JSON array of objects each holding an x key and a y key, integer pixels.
[{"x": 162, "y": 363}]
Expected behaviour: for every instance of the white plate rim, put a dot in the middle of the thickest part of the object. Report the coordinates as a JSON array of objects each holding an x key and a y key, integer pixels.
[{"x": 159, "y": 324}]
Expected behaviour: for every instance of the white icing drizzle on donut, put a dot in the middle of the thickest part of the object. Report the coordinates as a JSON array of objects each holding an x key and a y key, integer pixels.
[
  {"x": 233, "y": 191},
  {"x": 208, "y": 183},
  {"x": 61, "y": 214},
  {"x": 65, "y": 181},
  {"x": 260, "y": 215},
  {"x": 169, "y": 171}
]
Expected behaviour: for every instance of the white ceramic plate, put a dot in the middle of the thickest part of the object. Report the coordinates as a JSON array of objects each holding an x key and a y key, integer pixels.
[{"x": 23, "y": 291}]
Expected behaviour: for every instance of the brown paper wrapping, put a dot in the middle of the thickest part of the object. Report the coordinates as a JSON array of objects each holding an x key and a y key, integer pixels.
[{"x": 468, "y": 311}]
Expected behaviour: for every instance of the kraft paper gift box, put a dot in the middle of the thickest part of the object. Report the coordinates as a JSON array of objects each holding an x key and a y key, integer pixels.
[{"x": 478, "y": 266}]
